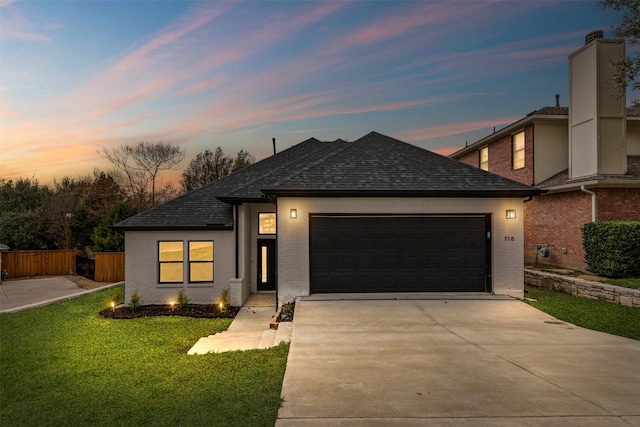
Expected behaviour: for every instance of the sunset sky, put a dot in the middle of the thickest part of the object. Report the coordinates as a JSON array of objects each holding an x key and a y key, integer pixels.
[{"x": 76, "y": 76}]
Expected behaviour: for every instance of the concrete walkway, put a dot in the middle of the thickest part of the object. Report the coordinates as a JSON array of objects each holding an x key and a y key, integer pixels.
[
  {"x": 451, "y": 363},
  {"x": 17, "y": 295},
  {"x": 249, "y": 330}
]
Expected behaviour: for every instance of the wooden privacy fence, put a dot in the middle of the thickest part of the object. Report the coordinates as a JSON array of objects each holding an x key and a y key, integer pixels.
[
  {"x": 38, "y": 263},
  {"x": 109, "y": 267}
]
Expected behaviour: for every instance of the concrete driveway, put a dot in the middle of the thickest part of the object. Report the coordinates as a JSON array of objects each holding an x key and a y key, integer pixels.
[{"x": 454, "y": 363}]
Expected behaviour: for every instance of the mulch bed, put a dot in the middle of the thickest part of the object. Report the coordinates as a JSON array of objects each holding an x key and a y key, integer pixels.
[{"x": 208, "y": 311}]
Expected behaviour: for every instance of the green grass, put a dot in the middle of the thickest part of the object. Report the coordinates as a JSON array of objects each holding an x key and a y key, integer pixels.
[
  {"x": 590, "y": 314},
  {"x": 64, "y": 365},
  {"x": 633, "y": 283}
]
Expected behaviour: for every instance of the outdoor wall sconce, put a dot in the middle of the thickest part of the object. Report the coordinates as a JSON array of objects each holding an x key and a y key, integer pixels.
[
  {"x": 293, "y": 213},
  {"x": 511, "y": 214}
]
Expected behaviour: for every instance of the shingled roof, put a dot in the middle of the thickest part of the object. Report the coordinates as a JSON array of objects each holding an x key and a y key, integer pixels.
[{"x": 372, "y": 166}]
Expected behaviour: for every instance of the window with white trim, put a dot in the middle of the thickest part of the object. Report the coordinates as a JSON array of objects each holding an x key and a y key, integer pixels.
[
  {"x": 484, "y": 158},
  {"x": 517, "y": 141}
]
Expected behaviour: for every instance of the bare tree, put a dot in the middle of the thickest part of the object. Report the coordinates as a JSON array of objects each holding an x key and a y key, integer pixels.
[
  {"x": 243, "y": 159},
  {"x": 139, "y": 166}
]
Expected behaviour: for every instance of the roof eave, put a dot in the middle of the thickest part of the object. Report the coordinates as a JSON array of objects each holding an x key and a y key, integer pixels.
[
  {"x": 166, "y": 227},
  {"x": 240, "y": 200},
  {"x": 595, "y": 183},
  {"x": 405, "y": 193}
]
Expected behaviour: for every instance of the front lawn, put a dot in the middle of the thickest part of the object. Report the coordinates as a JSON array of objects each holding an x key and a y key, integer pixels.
[
  {"x": 633, "y": 283},
  {"x": 590, "y": 314},
  {"x": 64, "y": 365}
]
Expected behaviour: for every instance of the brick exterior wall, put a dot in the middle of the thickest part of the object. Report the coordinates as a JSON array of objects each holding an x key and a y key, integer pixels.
[
  {"x": 472, "y": 158},
  {"x": 614, "y": 204},
  {"x": 556, "y": 219},
  {"x": 501, "y": 161}
]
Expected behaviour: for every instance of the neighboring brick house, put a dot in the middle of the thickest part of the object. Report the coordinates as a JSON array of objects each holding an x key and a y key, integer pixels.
[{"x": 586, "y": 156}]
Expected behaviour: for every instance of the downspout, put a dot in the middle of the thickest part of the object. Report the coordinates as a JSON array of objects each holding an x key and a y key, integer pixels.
[
  {"x": 593, "y": 202},
  {"x": 236, "y": 223}
]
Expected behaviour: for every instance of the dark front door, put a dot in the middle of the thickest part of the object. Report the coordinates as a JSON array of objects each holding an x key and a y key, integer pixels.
[{"x": 266, "y": 265}]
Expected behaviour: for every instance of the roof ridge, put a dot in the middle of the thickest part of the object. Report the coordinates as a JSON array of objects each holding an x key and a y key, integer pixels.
[
  {"x": 314, "y": 164},
  {"x": 281, "y": 166}
]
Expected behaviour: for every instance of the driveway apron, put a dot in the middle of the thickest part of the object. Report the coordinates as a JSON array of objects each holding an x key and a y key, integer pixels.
[{"x": 454, "y": 362}]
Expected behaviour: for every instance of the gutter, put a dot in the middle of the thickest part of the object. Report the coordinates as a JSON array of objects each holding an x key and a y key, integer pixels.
[{"x": 593, "y": 202}]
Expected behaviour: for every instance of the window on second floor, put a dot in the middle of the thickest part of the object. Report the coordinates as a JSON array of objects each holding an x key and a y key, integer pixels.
[
  {"x": 484, "y": 158},
  {"x": 518, "y": 150}
]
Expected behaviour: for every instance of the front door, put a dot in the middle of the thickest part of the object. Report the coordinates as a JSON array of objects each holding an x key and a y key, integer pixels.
[{"x": 266, "y": 264}]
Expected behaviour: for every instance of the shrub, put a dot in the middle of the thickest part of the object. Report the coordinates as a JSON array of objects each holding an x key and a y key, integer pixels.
[
  {"x": 183, "y": 299},
  {"x": 135, "y": 301},
  {"x": 612, "y": 248},
  {"x": 225, "y": 299}
]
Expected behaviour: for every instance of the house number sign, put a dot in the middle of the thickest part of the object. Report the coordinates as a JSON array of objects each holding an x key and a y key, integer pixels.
[{"x": 509, "y": 238}]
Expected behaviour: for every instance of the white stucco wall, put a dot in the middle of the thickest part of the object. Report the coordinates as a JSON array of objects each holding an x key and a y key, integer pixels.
[
  {"x": 141, "y": 266},
  {"x": 293, "y": 235}
]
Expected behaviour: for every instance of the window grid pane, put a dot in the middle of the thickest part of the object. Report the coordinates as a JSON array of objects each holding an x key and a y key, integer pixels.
[{"x": 171, "y": 272}]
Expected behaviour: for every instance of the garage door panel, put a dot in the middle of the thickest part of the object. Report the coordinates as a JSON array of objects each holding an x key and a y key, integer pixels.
[{"x": 398, "y": 254}]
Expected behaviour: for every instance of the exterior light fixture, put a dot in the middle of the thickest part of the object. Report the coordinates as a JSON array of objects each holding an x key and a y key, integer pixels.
[
  {"x": 293, "y": 213},
  {"x": 113, "y": 306},
  {"x": 511, "y": 214},
  {"x": 172, "y": 303}
]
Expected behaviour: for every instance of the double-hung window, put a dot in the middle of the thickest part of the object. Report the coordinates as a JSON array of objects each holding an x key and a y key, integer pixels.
[
  {"x": 171, "y": 262},
  {"x": 517, "y": 142},
  {"x": 484, "y": 158},
  {"x": 200, "y": 261}
]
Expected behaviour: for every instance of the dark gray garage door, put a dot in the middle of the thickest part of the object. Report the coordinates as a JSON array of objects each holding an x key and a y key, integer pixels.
[{"x": 399, "y": 253}]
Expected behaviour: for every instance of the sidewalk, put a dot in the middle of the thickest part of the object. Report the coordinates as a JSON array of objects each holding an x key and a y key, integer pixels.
[{"x": 249, "y": 330}]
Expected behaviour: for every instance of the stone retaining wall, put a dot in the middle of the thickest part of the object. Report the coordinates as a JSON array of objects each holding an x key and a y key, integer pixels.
[{"x": 583, "y": 288}]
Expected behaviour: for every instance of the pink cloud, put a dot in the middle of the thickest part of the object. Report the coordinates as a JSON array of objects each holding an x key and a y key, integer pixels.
[
  {"x": 14, "y": 25},
  {"x": 431, "y": 132}
]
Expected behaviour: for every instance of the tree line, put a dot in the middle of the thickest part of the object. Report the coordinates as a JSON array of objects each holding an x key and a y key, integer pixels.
[{"x": 75, "y": 213}]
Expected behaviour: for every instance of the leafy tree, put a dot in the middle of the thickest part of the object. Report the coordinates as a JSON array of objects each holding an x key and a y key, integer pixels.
[
  {"x": 23, "y": 230},
  {"x": 22, "y": 195},
  {"x": 138, "y": 167},
  {"x": 106, "y": 239},
  {"x": 210, "y": 166},
  {"x": 22, "y": 223},
  {"x": 627, "y": 75}
]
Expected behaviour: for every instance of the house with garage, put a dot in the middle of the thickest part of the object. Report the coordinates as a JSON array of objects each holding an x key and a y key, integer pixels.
[
  {"x": 373, "y": 215},
  {"x": 586, "y": 157}
]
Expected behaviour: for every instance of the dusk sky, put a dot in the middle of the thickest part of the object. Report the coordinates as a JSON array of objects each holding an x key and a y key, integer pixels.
[{"x": 79, "y": 75}]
